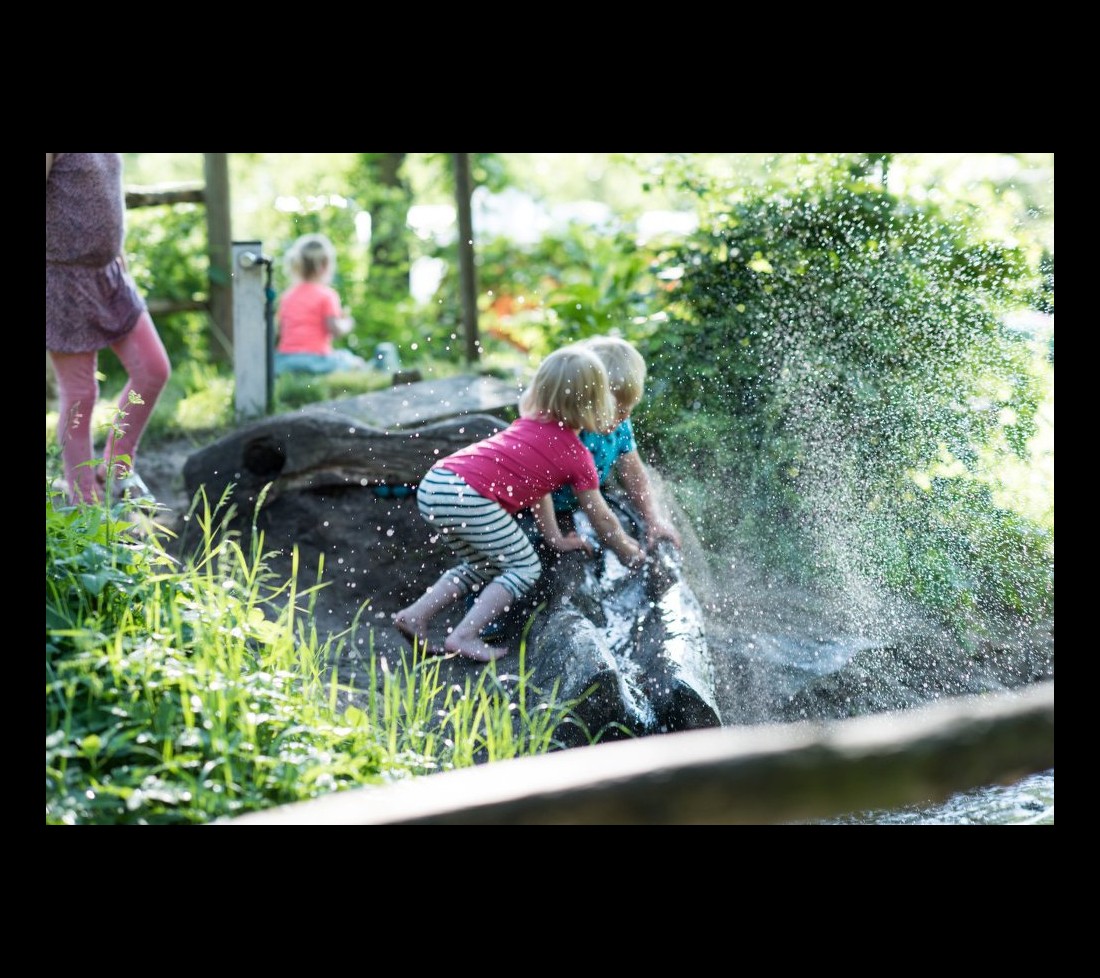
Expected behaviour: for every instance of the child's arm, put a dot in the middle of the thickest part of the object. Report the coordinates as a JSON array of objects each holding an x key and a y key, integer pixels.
[
  {"x": 609, "y": 529},
  {"x": 635, "y": 480},
  {"x": 340, "y": 325},
  {"x": 548, "y": 526}
]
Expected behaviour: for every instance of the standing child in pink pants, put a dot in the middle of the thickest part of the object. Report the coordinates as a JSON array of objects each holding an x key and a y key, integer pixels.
[{"x": 92, "y": 304}]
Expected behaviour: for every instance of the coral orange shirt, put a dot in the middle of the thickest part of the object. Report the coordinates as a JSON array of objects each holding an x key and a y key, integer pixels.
[{"x": 303, "y": 318}]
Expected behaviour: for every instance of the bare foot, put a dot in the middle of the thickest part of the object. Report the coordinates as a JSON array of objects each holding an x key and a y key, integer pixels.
[
  {"x": 473, "y": 648},
  {"x": 407, "y": 627}
]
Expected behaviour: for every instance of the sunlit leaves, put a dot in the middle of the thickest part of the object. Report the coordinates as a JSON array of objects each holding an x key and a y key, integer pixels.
[{"x": 834, "y": 330}]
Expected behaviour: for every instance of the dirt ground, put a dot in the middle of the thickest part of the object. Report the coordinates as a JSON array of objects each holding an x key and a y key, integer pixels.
[{"x": 160, "y": 464}]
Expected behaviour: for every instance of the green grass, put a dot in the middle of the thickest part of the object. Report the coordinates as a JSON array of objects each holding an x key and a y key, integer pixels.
[
  {"x": 297, "y": 390},
  {"x": 174, "y": 694}
]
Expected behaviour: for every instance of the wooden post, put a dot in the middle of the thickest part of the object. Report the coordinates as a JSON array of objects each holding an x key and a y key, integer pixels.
[
  {"x": 251, "y": 343},
  {"x": 219, "y": 237},
  {"x": 467, "y": 272}
]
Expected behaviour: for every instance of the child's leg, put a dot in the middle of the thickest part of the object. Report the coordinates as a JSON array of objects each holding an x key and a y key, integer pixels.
[
  {"x": 77, "y": 391},
  {"x": 301, "y": 363},
  {"x": 506, "y": 551},
  {"x": 492, "y": 548},
  {"x": 143, "y": 355},
  {"x": 412, "y": 622},
  {"x": 443, "y": 500},
  {"x": 346, "y": 360},
  {"x": 466, "y": 638}
]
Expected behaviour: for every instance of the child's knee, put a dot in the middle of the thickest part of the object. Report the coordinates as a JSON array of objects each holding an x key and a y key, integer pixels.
[
  {"x": 151, "y": 379},
  {"x": 158, "y": 373},
  {"x": 82, "y": 396},
  {"x": 77, "y": 386},
  {"x": 523, "y": 581}
]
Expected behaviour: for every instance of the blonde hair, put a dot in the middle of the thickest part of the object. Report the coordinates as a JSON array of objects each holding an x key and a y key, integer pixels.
[
  {"x": 571, "y": 387},
  {"x": 626, "y": 370},
  {"x": 310, "y": 257}
]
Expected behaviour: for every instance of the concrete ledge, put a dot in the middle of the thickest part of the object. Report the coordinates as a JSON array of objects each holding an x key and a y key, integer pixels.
[{"x": 732, "y": 775}]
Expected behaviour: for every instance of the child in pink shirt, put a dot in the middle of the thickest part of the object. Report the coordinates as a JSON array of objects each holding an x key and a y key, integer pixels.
[
  {"x": 472, "y": 497},
  {"x": 310, "y": 313}
]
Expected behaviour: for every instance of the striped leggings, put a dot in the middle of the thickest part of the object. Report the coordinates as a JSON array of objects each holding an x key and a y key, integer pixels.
[{"x": 484, "y": 536}]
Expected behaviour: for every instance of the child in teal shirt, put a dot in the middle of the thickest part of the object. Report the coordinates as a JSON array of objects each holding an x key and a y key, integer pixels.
[{"x": 617, "y": 451}]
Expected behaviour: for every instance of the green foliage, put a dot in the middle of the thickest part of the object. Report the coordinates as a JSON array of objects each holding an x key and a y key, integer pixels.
[
  {"x": 387, "y": 319},
  {"x": 431, "y": 176},
  {"x": 604, "y": 283},
  {"x": 832, "y": 345},
  {"x": 381, "y": 191},
  {"x": 561, "y": 288},
  {"x": 185, "y": 693},
  {"x": 170, "y": 697},
  {"x": 199, "y": 400},
  {"x": 1045, "y": 300},
  {"x": 167, "y": 254},
  {"x": 166, "y": 251},
  {"x": 293, "y": 391},
  {"x": 959, "y": 553}
]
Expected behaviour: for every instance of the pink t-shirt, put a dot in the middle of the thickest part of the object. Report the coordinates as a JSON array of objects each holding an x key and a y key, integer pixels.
[
  {"x": 303, "y": 312},
  {"x": 525, "y": 461}
]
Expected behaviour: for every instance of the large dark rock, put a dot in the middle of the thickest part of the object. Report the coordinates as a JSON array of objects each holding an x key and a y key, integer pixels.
[
  {"x": 319, "y": 484},
  {"x": 323, "y": 448},
  {"x": 641, "y": 633}
]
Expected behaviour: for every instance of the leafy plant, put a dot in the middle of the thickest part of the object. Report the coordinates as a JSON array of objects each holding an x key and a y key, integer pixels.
[
  {"x": 562, "y": 288},
  {"x": 189, "y": 692},
  {"x": 168, "y": 255},
  {"x": 832, "y": 346}
]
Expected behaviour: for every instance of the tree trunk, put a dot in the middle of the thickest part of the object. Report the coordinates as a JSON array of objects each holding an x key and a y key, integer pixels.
[
  {"x": 388, "y": 199},
  {"x": 220, "y": 236},
  {"x": 468, "y": 275}
]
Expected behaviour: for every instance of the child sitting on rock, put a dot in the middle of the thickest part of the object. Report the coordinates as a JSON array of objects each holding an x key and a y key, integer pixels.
[
  {"x": 311, "y": 314},
  {"x": 616, "y": 452}
]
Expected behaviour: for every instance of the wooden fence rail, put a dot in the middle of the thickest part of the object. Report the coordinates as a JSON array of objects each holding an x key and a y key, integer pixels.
[{"x": 183, "y": 193}]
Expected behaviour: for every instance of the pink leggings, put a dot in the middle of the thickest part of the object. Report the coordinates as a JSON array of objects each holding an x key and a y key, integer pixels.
[{"x": 143, "y": 355}]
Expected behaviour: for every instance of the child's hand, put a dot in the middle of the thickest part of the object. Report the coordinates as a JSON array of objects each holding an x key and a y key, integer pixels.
[
  {"x": 658, "y": 531},
  {"x": 341, "y": 325},
  {"x": 571, "y": 541},
  {"x": 636, "y": 559}
]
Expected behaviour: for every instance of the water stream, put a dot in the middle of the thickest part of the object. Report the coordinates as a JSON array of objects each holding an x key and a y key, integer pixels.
[{"x": 1029, "y": 801}]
